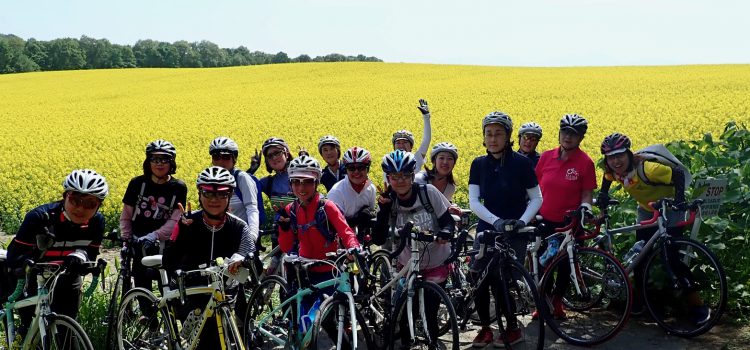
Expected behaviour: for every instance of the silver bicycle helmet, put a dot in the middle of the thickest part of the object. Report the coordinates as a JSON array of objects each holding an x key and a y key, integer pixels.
[
  {"x": 530, "y": 128},
  {"x": 223, "y": 144},
  {"x": 304, "y": 167},
  {"x": 498, "y": 117}
]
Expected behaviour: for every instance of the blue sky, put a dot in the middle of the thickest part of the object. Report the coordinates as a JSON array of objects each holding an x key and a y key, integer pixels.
[{"x": 499, "y": 32}]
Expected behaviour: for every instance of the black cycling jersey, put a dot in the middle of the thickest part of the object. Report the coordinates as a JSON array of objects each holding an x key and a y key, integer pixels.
[
  {"x": 196, "y": 244},
  {"x": 69, "y": 236},
  {"x": 153, "y": 203},
  {"x": 329, "y": 178}
]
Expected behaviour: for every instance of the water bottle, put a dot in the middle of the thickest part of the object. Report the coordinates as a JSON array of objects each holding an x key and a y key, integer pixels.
[
  {"x": 189, "y": 324},
  {"x": 550, "y": 253},
  {"x": 633, "y": 252},
  {"x": 308, "y": 317}
]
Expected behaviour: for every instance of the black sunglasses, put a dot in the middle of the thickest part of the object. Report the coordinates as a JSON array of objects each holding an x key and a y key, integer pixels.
[
  {"x": 222, "y": 156},
  {"x": 356, "y": 167}
]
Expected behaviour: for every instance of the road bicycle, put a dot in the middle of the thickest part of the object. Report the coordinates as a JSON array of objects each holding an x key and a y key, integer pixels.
[
  {"x": 587, "y": 288},
  {"x": 401, "y": 301},
  {"x": 145, "y": 321},
  {"x": 683, "y": 285},
  {"x": 277, "y": 317},
  {"x": 47, "y": 330}
]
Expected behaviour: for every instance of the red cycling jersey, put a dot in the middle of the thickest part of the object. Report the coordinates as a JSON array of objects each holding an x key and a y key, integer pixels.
[{"x": 312, "y": 243}]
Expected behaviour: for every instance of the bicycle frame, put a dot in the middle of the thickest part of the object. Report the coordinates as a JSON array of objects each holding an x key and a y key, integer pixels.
[
  {"x": 659, "y": 220},
  {"x": 218, "y": 299},
  {"x": 341, "y": 282},
  {"x": 42, "y": 310},
  {"x": 411, "y": 272}
]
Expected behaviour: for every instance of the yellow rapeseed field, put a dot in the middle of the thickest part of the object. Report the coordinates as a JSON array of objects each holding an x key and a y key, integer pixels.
[{"x": 53, "y": 122}]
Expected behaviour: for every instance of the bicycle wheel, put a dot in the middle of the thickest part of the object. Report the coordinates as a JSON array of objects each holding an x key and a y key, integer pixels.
[
  {"x": 458, "y": 288},
  {"x": 518, "y": 309},
  {"x": 231, "y": 334},
  {"x": 261, "y": 313},
  {"x": 119, "y": 288},
  {"x": 427, "y": 296},
  {"x": 140, "y": 324},
  {"x": 697, "y": 278},
  {"x": 63, "y": 333},
  {"x": 602, "y": 307},
  {"x": 333, "y": 317}
]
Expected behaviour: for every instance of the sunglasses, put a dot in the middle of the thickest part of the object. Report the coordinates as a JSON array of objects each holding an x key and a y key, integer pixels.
[
  {"x": 528, "y": 137},
  {"x": 80, "y": 201},
  {"x": 356, "y": 167},
  {"x": 304, "y": 182},
  {"x": 400, "y": 176},
  {"x": 220, "y": 156},
  {"x": 160, "y": 160},
  {"x": 274, "y": 154},
  {"x": 215, "y": 195}
]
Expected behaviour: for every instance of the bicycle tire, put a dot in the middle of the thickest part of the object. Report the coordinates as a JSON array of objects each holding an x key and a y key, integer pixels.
[
  {"x": 603, "y": 308},
  {"x": 669, "y": 306},
  {"x": 260, "y": 304},
  {"x": 232, "y": 337},
  {"x": 328, "y": 314},
  {"x": 66, "y": 327},
  {"x": 465, "y": 308},
  {"x": 446, "y": 313},
  {"x": 136, "y": 330},
  {"x": 119, "y": 289},
  {"x": 520, "y": 287}
]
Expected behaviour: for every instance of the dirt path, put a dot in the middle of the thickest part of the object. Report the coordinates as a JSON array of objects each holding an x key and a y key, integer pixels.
[{"x": 644, "y": 334}]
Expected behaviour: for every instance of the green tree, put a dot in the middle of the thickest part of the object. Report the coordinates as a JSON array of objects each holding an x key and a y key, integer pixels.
[
  {"x": 97, "y": 52},
  {"x": 169, "y": 55},
  {"x": 189, "y": 57},
  {"x": 303, "y": 58},
  {"x": 37, "y": 51},
  {"x": 64, "y": 54},
  {"x": 147, "y": 53},
  {"x": 280, "y": 57},
  {"x": 211, "y": 55}
]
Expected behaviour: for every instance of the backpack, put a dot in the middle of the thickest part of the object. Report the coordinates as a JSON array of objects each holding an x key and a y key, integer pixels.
[
  {"x": 660, "y": 154},
  {"x": 424, "y": 199},
  {"x": 320, "y": 221},
  {"x": 259, "y": 188}
]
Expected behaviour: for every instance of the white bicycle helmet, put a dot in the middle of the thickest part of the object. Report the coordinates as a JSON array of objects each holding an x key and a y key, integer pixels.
[
  {"x": 403, "y": 135},
  {"x": 304, "y": 167},
  {"x": 87, "y": 181},
  {"x": 444, "y": 147},
  {"x": 357, "y": 155},
  {"x": 498, "y": 117},
  {"x": 399, "y": 161},
  {"x": 530, "y": 128},
  {"x": 162, "y": 147},
  {"x": 223, "y": 144},
  {"x": 574, "y": 122},
  {"x": 215, "y": 177},
  {"x": 328, "y": 140}
]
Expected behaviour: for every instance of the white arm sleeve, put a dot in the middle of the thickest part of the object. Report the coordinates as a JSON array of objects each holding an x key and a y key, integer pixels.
[
  {"x": 478, "y": 208},
  {"x": 426, "y": 137},
  {"x": 535, "y": 202},
  {"x": 250, "y": 201}
]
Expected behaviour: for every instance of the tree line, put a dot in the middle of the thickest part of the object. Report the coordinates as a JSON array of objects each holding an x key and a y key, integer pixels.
[{"x": 18, "y": 55}]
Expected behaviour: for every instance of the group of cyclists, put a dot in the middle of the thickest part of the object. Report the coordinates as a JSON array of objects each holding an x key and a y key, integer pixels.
[{"x": 506, "y": 187}]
